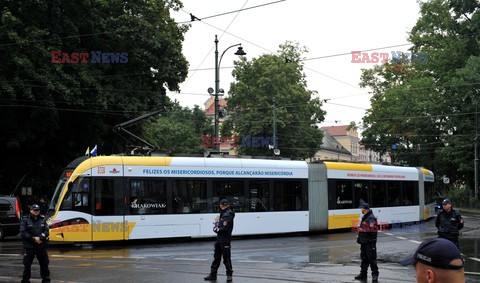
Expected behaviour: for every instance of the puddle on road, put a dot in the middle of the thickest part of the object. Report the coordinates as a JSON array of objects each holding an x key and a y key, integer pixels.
[
  {"x": 471, "y": 249},
  {"x": 332, "y": 255}
]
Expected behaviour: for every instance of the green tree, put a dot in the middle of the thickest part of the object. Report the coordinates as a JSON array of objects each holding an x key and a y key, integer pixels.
[
  {"x": 449, "y": 32},
  {"x": 51, "y": 112},
  {"x": 275, "y": 83},
  {"x": 179, "y": 131},
  {"x": 428, "y": 108},
  {"x": 398, "y": 122}
]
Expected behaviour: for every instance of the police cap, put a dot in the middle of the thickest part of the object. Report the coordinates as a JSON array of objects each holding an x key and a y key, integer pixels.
[
  {"x": 436, "y": 252},
  {"x": 35, "y": 207}
]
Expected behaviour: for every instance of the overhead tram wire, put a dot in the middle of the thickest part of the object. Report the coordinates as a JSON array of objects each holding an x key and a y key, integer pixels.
[
  {"x": 194, "y": 18},
  {"x": 269, "y": 51},
  {"x": 350, "y": 53},
  {"x": 211, "y": 49}
]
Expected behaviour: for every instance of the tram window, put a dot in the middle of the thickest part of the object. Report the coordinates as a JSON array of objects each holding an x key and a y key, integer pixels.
[
  {"x": 287, "y": 196},
  {"x": 344, "y": 194},
  {"x": 379, "y": 194},
  {"x": 394, "y": 193},
  {"x": 104, "y": 197},
  {"x": 361, "y": 192},
  {"x": 410, "y": 193},
  {"x": 230, "y": 190},
  {"x": 189, "y": 196},
  {"x": 77, "y": 195},
  {"x": 258, "y": 196},
  {"x": 148, "y": 197},
  {"x": 428, "y": 192},
  {"x": 67, "y": 200}
]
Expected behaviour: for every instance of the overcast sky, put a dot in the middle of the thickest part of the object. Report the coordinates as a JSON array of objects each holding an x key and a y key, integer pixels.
[{"x": 324, "y": 27}]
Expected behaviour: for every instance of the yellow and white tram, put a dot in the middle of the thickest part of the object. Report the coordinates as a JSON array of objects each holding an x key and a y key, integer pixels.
[{"x": 139, "y": 197}]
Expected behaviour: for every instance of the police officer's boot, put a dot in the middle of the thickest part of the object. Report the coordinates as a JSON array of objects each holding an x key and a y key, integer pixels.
[
  {"x": 229, "y": 278},
  {"x": 361, "y": 276},
  {"x": 211, "y": 277},
  {"x": 375, "y": 278}
]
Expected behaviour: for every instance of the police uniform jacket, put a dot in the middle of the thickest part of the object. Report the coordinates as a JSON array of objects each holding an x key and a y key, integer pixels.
[
  {"x": 449, "y": 224},
  {"x": 225, "y": 225},
  {"x": 31, "y": 227},
  {"x": 368, "y": 229}
]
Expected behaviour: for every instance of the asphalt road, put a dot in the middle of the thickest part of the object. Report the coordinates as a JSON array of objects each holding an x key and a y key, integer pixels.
[{"x": 327, "y": 257}]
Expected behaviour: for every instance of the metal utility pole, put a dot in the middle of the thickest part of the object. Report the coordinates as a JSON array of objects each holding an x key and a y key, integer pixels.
[
  {"x": 476, "y": 151},
  {"x": 274, "y": 120},
  {"x": 217, "y": 84}
]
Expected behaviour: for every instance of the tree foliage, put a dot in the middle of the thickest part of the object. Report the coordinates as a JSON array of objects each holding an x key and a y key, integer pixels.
[
  {"x": 428, "y": 109},
  {"x": 51, "y": 112},
  {"x": 180, "y": 130},
  {"x": 275, "y": 82}
]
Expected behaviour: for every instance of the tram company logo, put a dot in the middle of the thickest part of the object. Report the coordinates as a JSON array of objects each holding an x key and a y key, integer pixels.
[
  {"x": 114, "y": 171},
  {"x": 92, "y": 57},
  {"x": 101, "y": 170}
]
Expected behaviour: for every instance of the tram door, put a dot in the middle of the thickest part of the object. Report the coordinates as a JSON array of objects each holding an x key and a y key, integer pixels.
[{"x": 108, "y": 223}]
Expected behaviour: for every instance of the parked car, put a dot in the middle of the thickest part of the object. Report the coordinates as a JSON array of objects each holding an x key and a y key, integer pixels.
[
  {"x": 438, "y": 203},
  {"x": 10, "y": 216}
]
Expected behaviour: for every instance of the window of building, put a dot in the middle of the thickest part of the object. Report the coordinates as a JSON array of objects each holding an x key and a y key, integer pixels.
[
  {"x": 148, "y": 197},
  {"x": 189, "y": 196}
]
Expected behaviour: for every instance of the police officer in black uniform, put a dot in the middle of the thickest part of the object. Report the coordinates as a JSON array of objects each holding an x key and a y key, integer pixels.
[
  {"x": 367, "y": 238},
  {"x": 223, "y": 227},
  {"x": 43, "y": 206},
  {"x": 449, "y": 222},
  {"x": 34, "y": 231}
]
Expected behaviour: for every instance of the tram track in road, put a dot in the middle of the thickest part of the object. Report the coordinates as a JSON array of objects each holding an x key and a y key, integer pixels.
[{"x": 242, "y": 274}]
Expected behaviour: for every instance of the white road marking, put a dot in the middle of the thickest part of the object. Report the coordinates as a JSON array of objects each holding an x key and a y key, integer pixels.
[
  {"x": 474, "y": 258},
  {"x": 11, "y": 255},
  {"x": 256, "y": 261},
  {"x": 401, "y": 238},
  {"x": 194, "y": 259},
  {"x": 325, "y": 264},
  {"x": 472, "y": 273},
  {"x": 415, "y": 242},
  {"x": 72, "y": 256},
  {"x": 389, "y": 234}
]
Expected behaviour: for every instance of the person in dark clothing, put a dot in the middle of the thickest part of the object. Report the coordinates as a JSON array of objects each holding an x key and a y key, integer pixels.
[
  {"x": 367, "y": 238},
  {"x": 34, "y": 231},
  {"x": 449, "y": 222},
  {"x": 223, "y": 226},
  {"x": 43, "y": 206}
]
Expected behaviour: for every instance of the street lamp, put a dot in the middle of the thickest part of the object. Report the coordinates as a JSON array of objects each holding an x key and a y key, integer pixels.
[{"x": 239, "y": 52}]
